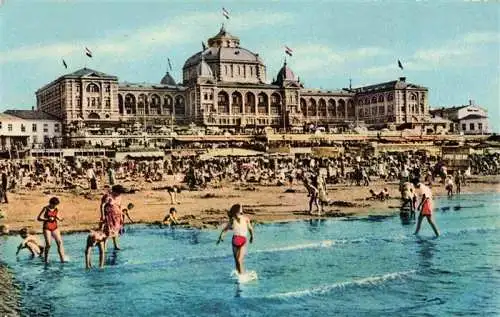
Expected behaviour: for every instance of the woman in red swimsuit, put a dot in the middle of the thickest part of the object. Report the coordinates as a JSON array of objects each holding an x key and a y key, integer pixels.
[{"x": 50, "y": 217}]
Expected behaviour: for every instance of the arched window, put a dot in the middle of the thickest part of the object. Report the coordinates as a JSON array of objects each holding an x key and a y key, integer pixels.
[
  {"x": 167, "y": 105},
  {"x": 223, "y": 102},
  {"x": 155, "y": 104},
  {"x": 130, "y": 104},
  {"x": 237, "y": 103},
  {"x": 381, "y": 98},
  {"x": 179, "y": 106},
  {"x": 413, "y": 97},
  {"x": 249, "y": 102},
  {"x": 374, "y": 99},
  {"x": 322, "y": 108},
  {"x": 92, "y": 88},
  {"x": 350, "y": 109},
  {"x": 341, "y": 108},
  {"x": 141, "y": 104},
  {"x": 332, "y": 108},
  {"x": 311, "y": 108},
  {"x": 121, "y": 108},
  {"x": 303, "y": 107},
  {"x": 390, "y": 97},
  {"x": 262, "y": 103},
  {"x": 275, "y": 103}
]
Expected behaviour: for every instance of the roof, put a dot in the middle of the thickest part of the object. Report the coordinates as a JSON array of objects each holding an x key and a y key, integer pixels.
[
  {"x": 31, "y": 115},
  {"x": 125, "y": 85},
  {"x": 4, "y": 116},
  {"x": 473, "y": 116},
  {"x": 284, "y": 74},
  {"x": 390, "y": 85},
  {"x": 87, "y": 72},
  {"x": 167, "y": 80},
  {"x": 216, "y": 54},
  {"x": 438, "y": 119}
]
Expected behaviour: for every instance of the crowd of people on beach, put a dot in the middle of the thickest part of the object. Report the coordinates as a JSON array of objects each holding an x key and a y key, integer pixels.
[{"x": 416, "y": 173}]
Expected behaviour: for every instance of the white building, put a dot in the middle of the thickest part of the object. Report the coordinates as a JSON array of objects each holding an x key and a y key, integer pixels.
[
  {"x": 467, "y": 119},
  {"x": 29, "y": 129}
]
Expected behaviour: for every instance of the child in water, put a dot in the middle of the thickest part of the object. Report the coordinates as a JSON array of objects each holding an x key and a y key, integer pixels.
[
  {"x": 171, "y": 217},
  {"x": 97, "y": 237},
  {"x": 240, "y": 224},
  {"x": 50, "y": 216},
  {"x": 30, "y": 242}
]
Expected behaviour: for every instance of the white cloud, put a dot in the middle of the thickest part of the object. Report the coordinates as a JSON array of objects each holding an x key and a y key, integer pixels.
[
  {"x": 134, "y": 43},
  {"x": 465, "y": 51}
]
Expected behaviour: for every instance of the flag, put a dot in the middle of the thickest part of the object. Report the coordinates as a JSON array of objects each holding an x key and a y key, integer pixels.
[
  {"x": 169, "y": 64},
  {"x": 88, "y": 52},
  {"x": 225, "y": 13},
  {"x": 64, "y": 64},
  {"x": 400, "y": 65},
  {"x": 203, "y": 45},
  {"x": 288, "y": 51}
]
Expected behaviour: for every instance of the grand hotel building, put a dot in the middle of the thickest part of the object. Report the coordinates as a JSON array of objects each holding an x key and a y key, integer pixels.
[{"x": 226, "y": 86}]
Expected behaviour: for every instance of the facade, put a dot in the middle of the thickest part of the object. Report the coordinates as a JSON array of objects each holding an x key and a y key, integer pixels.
[
  {"x": 467, "y": 119},
  {"x": 226, "y": 86},
  {"x": 20, "y": 129}
]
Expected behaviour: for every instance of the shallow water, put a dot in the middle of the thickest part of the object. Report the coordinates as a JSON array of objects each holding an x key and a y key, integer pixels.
[{"x": 370, "y": 266}]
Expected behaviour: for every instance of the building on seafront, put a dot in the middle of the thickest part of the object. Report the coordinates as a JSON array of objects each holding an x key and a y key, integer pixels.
[
  {"x": 466, "y": 119},
  {"x": 226, "y": 86},
  {"x": 20, "y": 129}
]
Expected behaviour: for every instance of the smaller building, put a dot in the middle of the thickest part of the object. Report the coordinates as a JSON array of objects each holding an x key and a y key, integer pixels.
[
  {"x": 30, "y": 129},
  {"x": 467, "y": 119}
]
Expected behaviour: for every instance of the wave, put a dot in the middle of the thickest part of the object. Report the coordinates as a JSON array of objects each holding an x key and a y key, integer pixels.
[
  {"x": 367, "y": 281},
  {"x": 311, "y": 245}
]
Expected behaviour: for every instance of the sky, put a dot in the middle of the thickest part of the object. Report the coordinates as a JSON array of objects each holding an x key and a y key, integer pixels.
[{"x": 453, "y": 48}]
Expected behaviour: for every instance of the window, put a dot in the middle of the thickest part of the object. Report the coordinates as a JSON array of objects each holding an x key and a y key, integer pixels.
[
  {"x": 33, "y": 127},
  {"x": 35, "y": 139},
  {"x": 108, "y": 88},
  {"x": 0, "y": 125},
  {"x": 23, "y": 128},
  {"x": 9, "y": 127},
  {"x": 108, "y": 103},
  {"x": 480, "y": 126},
  {"x": 471, "y": 126},
  {"x": 56, "y": 127},
  {"x": 464, "y": 127},
  {"x": 46, "y": 127}
]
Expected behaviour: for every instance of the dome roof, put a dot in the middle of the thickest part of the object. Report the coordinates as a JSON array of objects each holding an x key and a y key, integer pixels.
[
  {"x": 203, "y": 70},
  {"x": 167, "y": 80},
  {"x": 285, "y": 74},
  {"x": 224, "y": 47}
]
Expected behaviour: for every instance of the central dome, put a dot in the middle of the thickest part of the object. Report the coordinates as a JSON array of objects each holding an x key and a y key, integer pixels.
[{"x": 229, "y": 62}]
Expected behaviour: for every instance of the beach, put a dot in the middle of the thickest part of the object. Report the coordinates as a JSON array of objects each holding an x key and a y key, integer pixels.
[{"x": 207, "y": 208}]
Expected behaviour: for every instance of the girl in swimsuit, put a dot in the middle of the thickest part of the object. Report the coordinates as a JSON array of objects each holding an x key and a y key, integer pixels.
[
  {"x": 50, "y": 217},
  {"x": 240, "y": 225},
  {"x": 425, "y": 208}
]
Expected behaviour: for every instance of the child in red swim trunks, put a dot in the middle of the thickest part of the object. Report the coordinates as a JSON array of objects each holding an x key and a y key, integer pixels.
[
  {"x": 50, "y": 216},
  {"x": 240, "y": 224}
]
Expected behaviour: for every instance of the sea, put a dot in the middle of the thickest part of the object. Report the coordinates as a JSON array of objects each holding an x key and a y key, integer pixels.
[{"x": 354, "y": 266}]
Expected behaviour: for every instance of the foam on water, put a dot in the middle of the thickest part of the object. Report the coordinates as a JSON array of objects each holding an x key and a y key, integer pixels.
[
  {"x": 245, "y": 277},
  {"x": 319, "y": 290}
]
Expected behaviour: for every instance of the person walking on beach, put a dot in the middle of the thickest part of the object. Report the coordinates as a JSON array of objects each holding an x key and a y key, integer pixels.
[
  {"x": 425, "y": 207},
  {"x": 310, "y": 182},
  {"x": 50, "y": 216},
  {"x": 113, "y": 214},
  {"x": 240, "y": 224}
]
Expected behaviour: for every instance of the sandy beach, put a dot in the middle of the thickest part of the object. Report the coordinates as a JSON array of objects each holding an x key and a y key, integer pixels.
[{"x": 207, "y": 208}]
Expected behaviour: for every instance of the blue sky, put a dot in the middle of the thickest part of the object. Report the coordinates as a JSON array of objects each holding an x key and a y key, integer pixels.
[{"x": 453, "y": 48}]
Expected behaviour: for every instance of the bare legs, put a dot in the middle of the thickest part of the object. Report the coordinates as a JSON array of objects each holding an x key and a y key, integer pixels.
[
  {"x": 48, "y": 235},
  {"x": 88, "y": 252},
  {"x": 431, "y": 222},
  {"x": 314, "y": 200},
  {"x": 239, "y": 254}
]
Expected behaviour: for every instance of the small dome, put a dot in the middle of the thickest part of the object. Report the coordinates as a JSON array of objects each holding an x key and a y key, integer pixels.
[
  {"x": 285, "y": 74},
  {"x": 167, "y": 80},
  {"x": 203, "y": 70}
]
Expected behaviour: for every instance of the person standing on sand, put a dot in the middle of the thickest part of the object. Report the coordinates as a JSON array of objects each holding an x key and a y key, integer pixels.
[
  {"x": 50, "y": 216},
  {"x": 425, "y": 207},
  {"x": 240, "y": 224}
]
